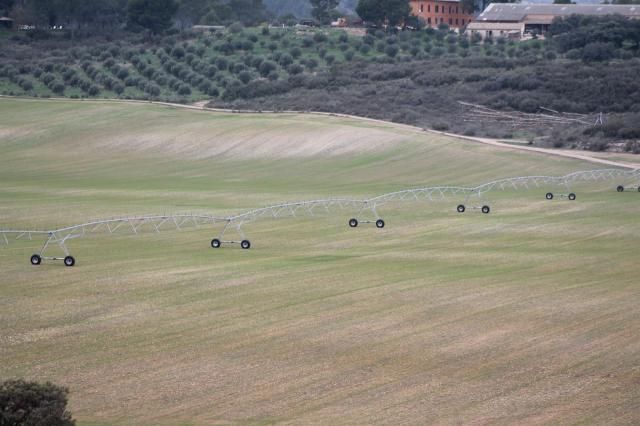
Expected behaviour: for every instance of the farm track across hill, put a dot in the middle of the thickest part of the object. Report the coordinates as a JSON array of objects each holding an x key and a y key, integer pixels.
[{"x": 200, "y": 106}]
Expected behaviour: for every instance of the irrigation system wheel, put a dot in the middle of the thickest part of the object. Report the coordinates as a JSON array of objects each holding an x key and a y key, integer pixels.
[
  {"x": 572, "y": 196},
  {"x": 620, "y": 188},
  {"x": 379, "y": 223},
  {"x": 461, "y": 208},
  {"x": 353, "y": 223},
  {"x": 215, "y": 243},
  {"x": 549, "y": 196},
  {"x": 36, "y": 260},
  {"x": 486, "y": 209},
  {"x": 245, "y": 244},
  {"x": 69, "y": 261}
]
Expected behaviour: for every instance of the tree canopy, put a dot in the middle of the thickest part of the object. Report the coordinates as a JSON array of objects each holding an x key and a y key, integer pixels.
[
  {"x": 380, "y": 12},
  {"x": 5, "y": 6},
  {"x": 154, "y": 15},
  {"x": 30, "y": 403},
  {"x": 577, "y": 31},
  {"x": 324, "y": 10}
]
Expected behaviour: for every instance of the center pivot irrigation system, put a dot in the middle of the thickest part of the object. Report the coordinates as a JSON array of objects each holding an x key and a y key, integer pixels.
[{"x": 367, "y": 210}]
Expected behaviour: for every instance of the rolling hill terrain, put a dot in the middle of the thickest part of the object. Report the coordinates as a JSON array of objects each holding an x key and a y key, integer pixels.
[{"x": 528, "y": 314}]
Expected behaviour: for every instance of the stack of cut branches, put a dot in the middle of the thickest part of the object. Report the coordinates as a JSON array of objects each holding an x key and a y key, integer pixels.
[{"x": 547, "y": 117}]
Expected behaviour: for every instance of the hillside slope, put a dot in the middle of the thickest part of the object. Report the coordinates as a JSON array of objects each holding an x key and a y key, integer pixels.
[{"x": 525, "y": 315}]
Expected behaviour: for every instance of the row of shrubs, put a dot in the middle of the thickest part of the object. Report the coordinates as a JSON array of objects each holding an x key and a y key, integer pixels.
[{"x": 413, "y": 74}]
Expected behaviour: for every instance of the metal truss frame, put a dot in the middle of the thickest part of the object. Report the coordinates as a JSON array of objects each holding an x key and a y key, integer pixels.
[{"x": 366, "y": 210}]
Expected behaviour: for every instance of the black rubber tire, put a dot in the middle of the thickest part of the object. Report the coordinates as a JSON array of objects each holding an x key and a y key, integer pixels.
[
  {"x": 620, "y": 188},
  {"x": 69, "y": 261},
  {"x": 380, "y": 223},
  {"x": 639, "y": 189},
  {"x": 215, "y": 243},
  {"x": 461, "y": 208},
  {"x": 486, "y": 209},
  {"x": 572, "y": 196},
  {"x": 245, "y": 244},
  {"x": 353, "y": 223},
  {"x": 549, "y": 196},
  {"x": 36, "y": 260}
]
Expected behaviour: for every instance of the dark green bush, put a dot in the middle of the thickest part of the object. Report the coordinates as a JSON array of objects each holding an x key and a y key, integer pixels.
[
  {"x": 48, "y": 78},
  {"x": 391, "y": 50},
  {"x": 266, "y": 67},
  {"x": 122, "y": 73},
  {"x": 245, "y": 76},
  {"x": 598, "y": 52},
  {"x": 238, "y": 68},
  {"x": 152, "y": 89},
  {"x": 118, "y": 88},
  {"x": 178, "y": 52},
  {"x": 26, "y": 85},
  {"x": 184, "y": 89},
  {"x": 57, "y": 87},
  {"x": 319, "y": 37},
  {"x": 295, "y": 69},
  {"x": 311, "y": 63},
  {"x": 30, "y": 403},
  {"x": 222, "y": 64},
  {"x": 285, "y": 60},
  {"x": 295, "y": 52},
  {"x": 131, "y": 81}
]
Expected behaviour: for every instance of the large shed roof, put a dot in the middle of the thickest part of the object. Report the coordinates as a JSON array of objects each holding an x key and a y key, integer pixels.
[
  {"x": 496, "y": 26},
  {"x": 518, "y": 12}
]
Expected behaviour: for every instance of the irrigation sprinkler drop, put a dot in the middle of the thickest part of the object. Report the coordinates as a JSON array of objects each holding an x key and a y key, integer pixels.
[
  {"x": 630, "y": 183},
  {"x": 219, "y": 241},
  {"x": 368, "y": 214}
]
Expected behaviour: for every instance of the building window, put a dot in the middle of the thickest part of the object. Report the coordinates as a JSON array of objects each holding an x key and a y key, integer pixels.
[
  {"x": 463, "y": 22},
  {"x": 422, "y": 8},
  {"x": 436, "y": 8},
  {"x": 450, "y": 21},
  {"x": 429, "y": 20},
  {"x": 456, "y": 21},
  {"x": 456, "y": 9},
  {"x": 449, "y": 9},
  {"x": 429, "y": 8}
]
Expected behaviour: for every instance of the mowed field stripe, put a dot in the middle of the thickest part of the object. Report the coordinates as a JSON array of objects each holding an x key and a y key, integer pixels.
[{"x": 526, "y": 315}]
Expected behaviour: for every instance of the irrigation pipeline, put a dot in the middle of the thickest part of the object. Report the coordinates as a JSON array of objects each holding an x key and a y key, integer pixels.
[{"x": 367, "y": 210}]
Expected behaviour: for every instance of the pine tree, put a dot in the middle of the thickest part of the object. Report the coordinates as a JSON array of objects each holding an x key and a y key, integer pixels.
[{"x": 324, "y": 10}]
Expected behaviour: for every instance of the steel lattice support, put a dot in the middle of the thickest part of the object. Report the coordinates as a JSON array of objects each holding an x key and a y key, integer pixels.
[{"x": 366, "y": 210}]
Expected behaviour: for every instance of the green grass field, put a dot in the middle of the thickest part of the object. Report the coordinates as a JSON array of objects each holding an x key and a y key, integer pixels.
[{"x": 527, "y": 315}]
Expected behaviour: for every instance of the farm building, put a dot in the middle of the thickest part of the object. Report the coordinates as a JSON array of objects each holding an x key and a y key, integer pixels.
[
  {"x": 520, "y": 20},
  {"x": 6, "y": 22},
  {"x": 436, "y": 12}
]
